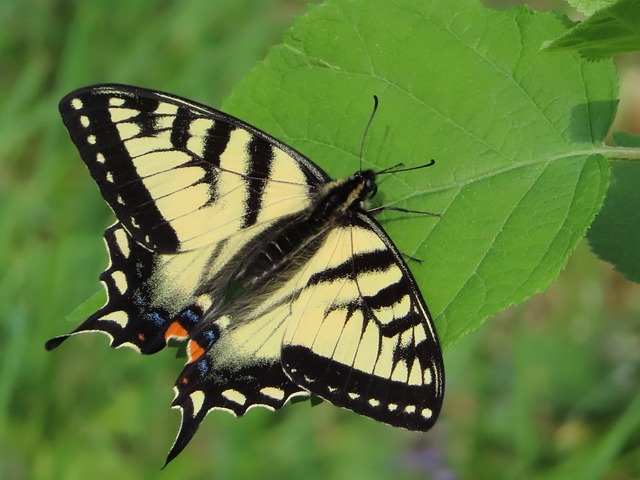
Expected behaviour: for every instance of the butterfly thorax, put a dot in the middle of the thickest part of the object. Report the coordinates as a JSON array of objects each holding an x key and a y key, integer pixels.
[
  {"x": 340, "y": 196},
  {"x": 333, "y": 205}
]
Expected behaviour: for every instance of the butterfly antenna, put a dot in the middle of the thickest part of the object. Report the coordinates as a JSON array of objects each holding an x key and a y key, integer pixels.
[
  {"x": 396, "y": 168},
  {"x": 366, "y": 130}
]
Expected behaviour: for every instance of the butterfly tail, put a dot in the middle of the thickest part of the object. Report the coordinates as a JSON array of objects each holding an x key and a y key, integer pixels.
[
  {"x": 214, "y": 381},
  {"x": 130, "y": 317}
]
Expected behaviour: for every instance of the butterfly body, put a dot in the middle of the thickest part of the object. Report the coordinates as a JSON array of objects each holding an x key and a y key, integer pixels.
[
  {"x": 324, "y": 305},
  {"x": 292, "y": 236}
]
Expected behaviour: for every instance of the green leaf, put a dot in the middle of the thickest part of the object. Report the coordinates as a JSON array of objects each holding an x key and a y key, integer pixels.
[
  {"x": 615, "y": 233},
  {"x": 515, "y": 133},
  {"x": 92, "y": 304},
  {"x": 589, "y": 7},
  {"x": 608, "y": 32}
]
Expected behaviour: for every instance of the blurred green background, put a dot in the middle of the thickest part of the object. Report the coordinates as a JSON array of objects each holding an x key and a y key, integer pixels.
[{"x": 549, "y": 389}]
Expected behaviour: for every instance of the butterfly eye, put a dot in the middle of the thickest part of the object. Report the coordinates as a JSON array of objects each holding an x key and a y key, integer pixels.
[{"x": 372, "y": 188}]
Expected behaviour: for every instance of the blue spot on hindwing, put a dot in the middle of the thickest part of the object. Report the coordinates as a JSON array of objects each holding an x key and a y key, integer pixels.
[
  {"x": 156, "y": 318},
  {"x": 207, "y": 338},
  {"x": 191, "y": 315},
  {"x": 203, "y": 367}
]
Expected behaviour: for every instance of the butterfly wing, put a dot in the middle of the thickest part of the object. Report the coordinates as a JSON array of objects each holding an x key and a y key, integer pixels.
[
  {"x": 180, "y": 175},
  {"x": 190, "y": 187},
  {"x": 234, "y": 360},
  {"x": 195, "y": 192},
  {"x": 360, "y": 334},
  {"x": 345, "y": 322},
  {"x": 131, "y": 316}
]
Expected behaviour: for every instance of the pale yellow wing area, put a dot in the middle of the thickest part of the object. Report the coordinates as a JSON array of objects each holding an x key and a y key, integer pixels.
[
  {"x": 347, "y": 323},
  {"x": 360, "y": 335},
  {"x": 343, "y": 321}
]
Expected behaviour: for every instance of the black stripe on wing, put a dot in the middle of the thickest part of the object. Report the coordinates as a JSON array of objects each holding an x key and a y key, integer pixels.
[
  {"x": 392, "y": 402},
  {"x": 387, "y": 296},
  {"x": 89, "y": 117},
  {"x": 131, "y": 317},
  {"x": 180, "y": 128},
  {"x": 260, "y": 156}
]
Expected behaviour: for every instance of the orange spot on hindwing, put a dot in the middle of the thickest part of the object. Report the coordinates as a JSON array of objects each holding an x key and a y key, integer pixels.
[
  {"x": 176, "y": 330},
  {"x": 194, "y": 351}
]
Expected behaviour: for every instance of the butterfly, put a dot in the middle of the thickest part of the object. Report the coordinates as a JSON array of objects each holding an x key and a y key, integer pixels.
[{"x": 278, "y": 279}]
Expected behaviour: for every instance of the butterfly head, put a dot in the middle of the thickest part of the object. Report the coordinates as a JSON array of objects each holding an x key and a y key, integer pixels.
[{"x": 369, "y": 185}]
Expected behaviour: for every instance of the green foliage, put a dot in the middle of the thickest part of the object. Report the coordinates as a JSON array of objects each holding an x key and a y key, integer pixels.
[
  {"x": 615, "y": 233},
  {"x": 547, "y": 390},
  {"x": 589, "y": 7},
  {"x": 88, "y": 307},
  {"x": 519, "y": 174},
  {"x": 610, "y": 31}
]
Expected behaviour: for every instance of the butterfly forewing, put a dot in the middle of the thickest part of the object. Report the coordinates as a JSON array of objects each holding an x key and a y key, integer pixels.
[
  {"x": 360, "y": 335},
  {"x": 179, "y": 175}
]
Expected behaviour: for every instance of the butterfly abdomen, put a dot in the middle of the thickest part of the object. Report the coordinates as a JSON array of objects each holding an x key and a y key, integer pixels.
[{"x": 331, "y": 206}]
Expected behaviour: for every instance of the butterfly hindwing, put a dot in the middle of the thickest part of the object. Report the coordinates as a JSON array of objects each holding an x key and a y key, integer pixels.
[
  {"x": 205, "y": 385},
  {"x": 133, "y": 315},
  {"x": 234, "y": 359}
]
